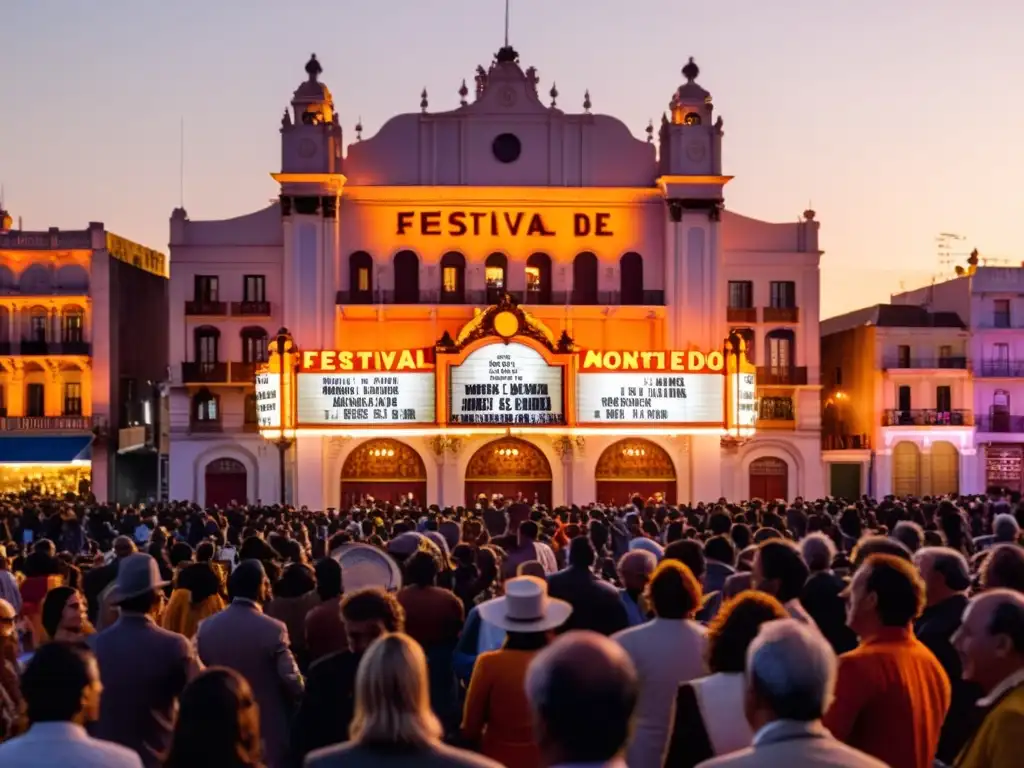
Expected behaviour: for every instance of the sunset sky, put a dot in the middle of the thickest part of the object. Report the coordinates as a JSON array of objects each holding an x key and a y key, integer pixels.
[{"x": 895, "y": 120}]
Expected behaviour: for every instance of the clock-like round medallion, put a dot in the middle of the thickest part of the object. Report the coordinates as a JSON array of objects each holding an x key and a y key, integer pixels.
[
  {"x": 506, "y": 324},
  {"x": 508, "y": 96},
  {"x": 307, "y": 148},
  {"x": 696, "y": 151}
]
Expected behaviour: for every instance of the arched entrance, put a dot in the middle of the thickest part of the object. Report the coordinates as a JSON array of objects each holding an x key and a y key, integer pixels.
[
  {"x": 387, "y": 470},
  {"x": 945, "y": 461},
  {"x": 635, "y": 467},
  {"x": 226, "y": 481},
  {"x": 509, "y": 467},
  {"x": 769, "y": 479},
  {"x": 906, "y": 469}
]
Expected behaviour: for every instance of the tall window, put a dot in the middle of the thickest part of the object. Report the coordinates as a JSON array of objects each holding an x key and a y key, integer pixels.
[
  {"x": 495, "y": 276},
  {"x": 37, "y": 325},
  {"x": 72, "y": 323},
  {"x": 903, "y": 356},
  {"x": 251, "y": 411},
  {"x": 783, "y": 294},
  {"x": 254, "y": 288},
  {"x": 35, "y": 395},
  {"x": 205, "y": 408},
  {"x": 206, "y": 289},
  {"x": 945, "y": 352},
  {"x": 584, "y": 278},
  {"x": 360, "y": 278},
  {"x": 453, "y": 283},
  {"x": 207, "y": 349},
  {"x": 779, "y": 352},
  {"x": 741, "y": 294},
  {"x": 72, "y": 399},
  {"x": 631, "y": 279},
  {"x": 407, "y": 278},
  {"x": 943, "y": 399},
  {"x": 1001, "y": 313},
  {"x": 903, "y": 398},
  {"x": 254, "y": 345},
  {"x": 538, "y": 279}
]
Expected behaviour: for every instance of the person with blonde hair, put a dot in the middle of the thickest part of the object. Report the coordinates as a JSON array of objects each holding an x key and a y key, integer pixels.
[{"x": 393, "y": 724}]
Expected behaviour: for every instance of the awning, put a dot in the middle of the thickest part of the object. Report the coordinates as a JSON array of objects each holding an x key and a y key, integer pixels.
[{"x": 46, "y": 450}]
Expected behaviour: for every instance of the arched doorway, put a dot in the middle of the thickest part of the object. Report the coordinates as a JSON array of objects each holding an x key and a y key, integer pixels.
[
  {"x": 769, "y": 479},
  {"x": 635, "y": 467},
  {"x": 226, "y": 481},
  {"x": 387, "y": 470},
  {"x": 945, "y": 462},
  {"x": 906, "y": 469},
  {"x": 509, "y": 467}
]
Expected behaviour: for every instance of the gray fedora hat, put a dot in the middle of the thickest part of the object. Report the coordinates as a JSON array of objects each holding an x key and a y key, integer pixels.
[{"x": 136, "y": 575}]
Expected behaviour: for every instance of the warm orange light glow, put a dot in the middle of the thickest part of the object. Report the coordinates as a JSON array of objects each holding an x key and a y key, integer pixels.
[{"x": 273, "y": 434}]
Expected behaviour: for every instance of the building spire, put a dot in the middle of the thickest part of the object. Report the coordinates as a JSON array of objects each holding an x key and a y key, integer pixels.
[{"x": 506, "y": 23}]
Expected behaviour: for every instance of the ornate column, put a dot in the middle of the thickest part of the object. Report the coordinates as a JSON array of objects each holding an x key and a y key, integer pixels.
[
  {"x": 570, "y": 451},
  {"x": 16, "y": 390},
  {"x": 449, "y": 490},
  {"x": 87, "y": 388},
  {"x": 53, "y": 404},
  {"x": 54, "y": 330}
]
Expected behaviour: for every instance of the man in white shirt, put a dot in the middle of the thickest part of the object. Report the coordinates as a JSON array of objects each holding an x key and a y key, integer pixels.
[{"x": 61, "y": 687}]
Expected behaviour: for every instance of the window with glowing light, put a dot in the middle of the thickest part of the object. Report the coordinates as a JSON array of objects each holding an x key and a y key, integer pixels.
[
  {"x": 205, "y": 408},
  {"x": 691, "y": 118},
  {"x": 495, "y": 271},
  {"x": 364, "y": 279},
  {"x": 72, "y": 399},
  {"x": 450, "y": 280}
]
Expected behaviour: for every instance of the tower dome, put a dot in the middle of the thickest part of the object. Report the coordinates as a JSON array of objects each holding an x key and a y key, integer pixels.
[
  {"x": 690, "y": 104},
  {"x": 312, "y": 99}
]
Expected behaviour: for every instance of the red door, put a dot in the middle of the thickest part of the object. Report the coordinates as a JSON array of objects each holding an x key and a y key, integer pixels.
[
  {"x": 769, "y": 479},
  {"x": 226, "y": 482}
]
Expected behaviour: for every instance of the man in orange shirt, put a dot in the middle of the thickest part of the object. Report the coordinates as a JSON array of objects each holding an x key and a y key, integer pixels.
[{"x": 891, "y": 694}]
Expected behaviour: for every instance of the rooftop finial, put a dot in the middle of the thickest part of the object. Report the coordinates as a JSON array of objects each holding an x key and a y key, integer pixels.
[
  {"x": 359, "y": 129},
  {"x": 313, "y": 68},
  {"x": 691, "y": 70},
  {"x": 423, "y": 100},
  {"x": 586, "y": 101},
  {"x": 463, "y": 93},
  {"x": 649, "y": 130},
  {"x": 506, "y": 23},
  {"x": 554, "y": 94}
]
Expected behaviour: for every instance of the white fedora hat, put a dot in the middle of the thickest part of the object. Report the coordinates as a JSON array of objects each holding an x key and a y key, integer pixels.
[{"x": 525, "y": 607}]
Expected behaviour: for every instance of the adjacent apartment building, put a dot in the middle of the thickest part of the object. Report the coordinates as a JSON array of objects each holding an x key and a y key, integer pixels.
[{"x": 83, "y": 347}]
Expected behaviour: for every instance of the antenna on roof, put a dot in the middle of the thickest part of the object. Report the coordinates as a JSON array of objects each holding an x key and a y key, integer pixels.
[
  {"x": 506, "y": 23},
  {"x": 181, "y": 164}
]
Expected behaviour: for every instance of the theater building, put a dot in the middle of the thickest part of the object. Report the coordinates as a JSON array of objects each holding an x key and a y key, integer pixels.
[
  {"x": 898, "y": 403},
  {"x": 506, "y": 295},
  {"x": 82, "y": 331}
]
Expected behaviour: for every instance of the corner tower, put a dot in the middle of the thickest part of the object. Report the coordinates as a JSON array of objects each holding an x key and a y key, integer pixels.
[
  {"x": 691, "y": 181},
  {"x": 311, "y": 183}
]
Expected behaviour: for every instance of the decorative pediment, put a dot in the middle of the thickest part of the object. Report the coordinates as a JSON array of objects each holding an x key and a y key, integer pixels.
[{"x": 505, "y": 320}]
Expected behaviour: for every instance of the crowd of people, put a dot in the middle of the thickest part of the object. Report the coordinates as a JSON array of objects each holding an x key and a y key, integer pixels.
[{"x": 810, "y": 633}]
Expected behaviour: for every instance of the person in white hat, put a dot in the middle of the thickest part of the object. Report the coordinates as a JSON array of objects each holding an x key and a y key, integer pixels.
[{"x": 497, "y": 714}]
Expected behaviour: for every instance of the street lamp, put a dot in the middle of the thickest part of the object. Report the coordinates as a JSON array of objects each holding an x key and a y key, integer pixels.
[{"x": 283, "y": 346}]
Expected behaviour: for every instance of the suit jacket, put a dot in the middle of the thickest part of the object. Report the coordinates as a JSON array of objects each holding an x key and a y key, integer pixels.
[
  {"x": 996, "y": 743},
  {"x": 595, "y": 603},
  {"x": 143, "y": 669},
  {"x": 666, "y": 654},
  {"x": 788, "y": 743},
  {"x": 45, "y": 745},
  {"x": 329, "y": 704},
  {"x": 358, "y": 756},
  {"x": 256, "y": 646},
  {"x": 820, "y": 598}
]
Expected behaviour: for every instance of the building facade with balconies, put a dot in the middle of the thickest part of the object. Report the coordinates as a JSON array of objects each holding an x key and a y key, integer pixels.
[
  {"x": 82, "y": 333},
  {"x": 898, "y": 403},
  {"x": 403, "y": 238},
  {"x": 991, "y": 302}
]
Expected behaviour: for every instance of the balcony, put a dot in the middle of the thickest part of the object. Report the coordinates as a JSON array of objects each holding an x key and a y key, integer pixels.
[
  {"x": 250, "y": 308},
  {"x": 1004, "y": 423},
  {"x": 205, "y": 426},
  {"x": 845, "y": 442},
  {"x": 1008, "y": 369},
  {"x": 777, "y": 412},
  {"x": 33, "y": 347},
  {"x": 653, "y": 298},
  {"x": 243, "y": 373},
  {"x": 741, "y": 314},
  {"x": 959, "y": 363},
  {"x": 206, "y": 307},
  {"x": 45, "y": 424},
  {"x": 927, "y": 417},
  {"x": 774, "y": 377},
  {"x": 204, "y": 373},
  {"x": 72, "y": 348},
  {"x": 780, "y": 314}
]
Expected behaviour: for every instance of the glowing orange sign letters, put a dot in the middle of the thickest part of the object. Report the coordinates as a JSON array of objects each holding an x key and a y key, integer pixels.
[
  {"x": 674, "y": 361},
  {"x": 396, "y": 360}
]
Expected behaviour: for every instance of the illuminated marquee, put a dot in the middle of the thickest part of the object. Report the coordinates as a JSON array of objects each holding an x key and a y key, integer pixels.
[
  {"x": 268, "y": 400},
  {"x": 365, "y": 388},
  {"x": 506, "y": 384},
  {"x": 657, "y": 387}
]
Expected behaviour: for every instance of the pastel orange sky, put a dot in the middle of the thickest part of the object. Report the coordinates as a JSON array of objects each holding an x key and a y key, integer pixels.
[{"x": 895, "y": 120}]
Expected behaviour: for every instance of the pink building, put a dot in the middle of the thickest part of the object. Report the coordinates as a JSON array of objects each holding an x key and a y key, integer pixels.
[
  {"x": 398, "y": 240},
  {"x": 82, "y": 334}
]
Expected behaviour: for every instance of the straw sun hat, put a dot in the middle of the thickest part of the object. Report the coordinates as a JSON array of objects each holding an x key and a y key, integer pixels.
[{"x": 525, "y": 607}]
